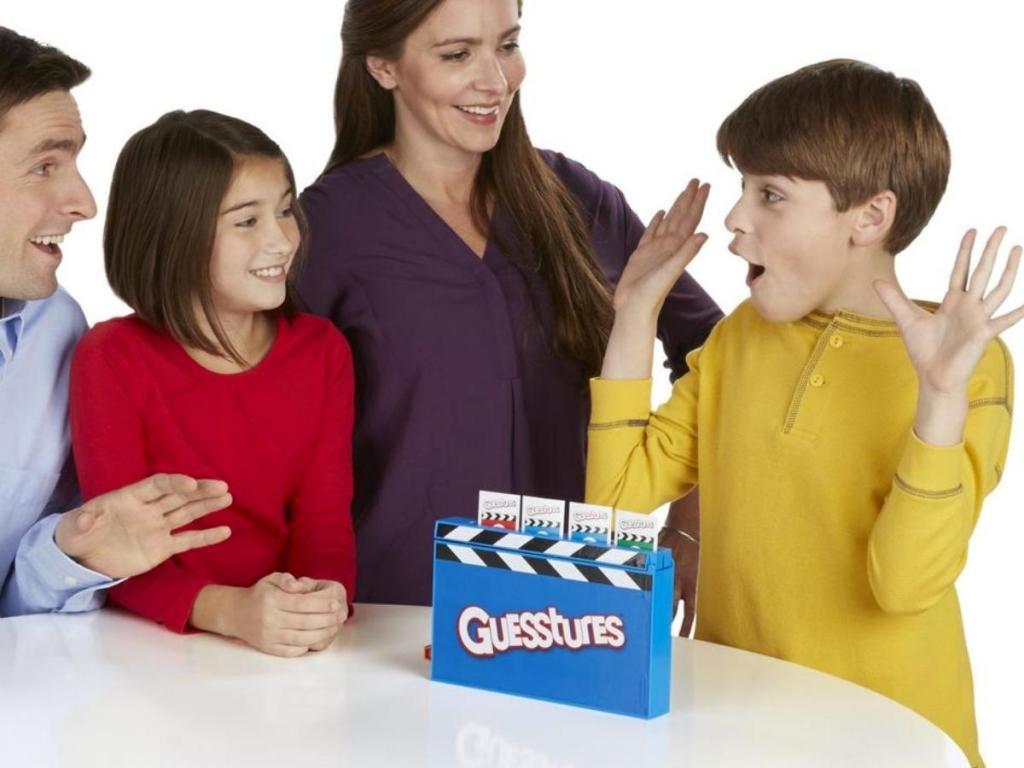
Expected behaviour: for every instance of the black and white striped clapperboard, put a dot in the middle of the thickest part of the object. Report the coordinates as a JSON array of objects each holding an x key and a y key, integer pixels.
[{"x": 557, "y": 558}]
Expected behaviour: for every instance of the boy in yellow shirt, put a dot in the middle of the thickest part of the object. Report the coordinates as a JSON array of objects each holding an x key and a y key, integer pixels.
[{"x": 843, "y": 437}]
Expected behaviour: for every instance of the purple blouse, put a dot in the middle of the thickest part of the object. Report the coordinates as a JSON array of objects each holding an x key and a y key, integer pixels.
[{"x": 458, "y": 387}]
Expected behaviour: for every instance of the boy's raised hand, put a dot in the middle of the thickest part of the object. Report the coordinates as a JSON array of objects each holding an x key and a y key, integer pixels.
[
  {"x": 945, "y": 346},
  {"x": 667, "y": 246}
]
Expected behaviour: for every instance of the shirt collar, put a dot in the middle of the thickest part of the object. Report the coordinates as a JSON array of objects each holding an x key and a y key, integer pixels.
[{"x": 11, "y": 323}]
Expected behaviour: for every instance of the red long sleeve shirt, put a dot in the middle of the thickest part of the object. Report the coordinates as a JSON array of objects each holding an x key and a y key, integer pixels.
[{"x": 279, "y": 434}]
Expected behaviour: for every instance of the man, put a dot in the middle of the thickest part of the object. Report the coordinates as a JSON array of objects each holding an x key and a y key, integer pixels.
[{"x": 52, "y": 559}]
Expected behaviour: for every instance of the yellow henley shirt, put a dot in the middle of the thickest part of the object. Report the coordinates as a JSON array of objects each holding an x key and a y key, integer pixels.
[{"x": 831, "y": 536}]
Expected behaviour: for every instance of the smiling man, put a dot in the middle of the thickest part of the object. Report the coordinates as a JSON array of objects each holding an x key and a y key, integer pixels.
[{"x": 54, "y": 555}]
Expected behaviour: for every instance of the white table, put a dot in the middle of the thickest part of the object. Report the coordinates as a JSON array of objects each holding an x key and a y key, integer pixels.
[{"x": 111, "y": 690}]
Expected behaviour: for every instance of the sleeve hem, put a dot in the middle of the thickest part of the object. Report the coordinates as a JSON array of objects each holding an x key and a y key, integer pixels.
[
  {"x": 930, "y": 471},
  {"x": 619, "y": 403}
]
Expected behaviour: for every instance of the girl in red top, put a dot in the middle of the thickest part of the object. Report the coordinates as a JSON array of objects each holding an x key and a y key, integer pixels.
[{"x": 217, "y": 375}]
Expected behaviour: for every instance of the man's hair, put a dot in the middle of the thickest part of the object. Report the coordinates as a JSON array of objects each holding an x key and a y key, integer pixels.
[
  {"x": 165, "y": 198},
  {"x": 29, "y": 69},
  {"x": 858, "y": 129}
]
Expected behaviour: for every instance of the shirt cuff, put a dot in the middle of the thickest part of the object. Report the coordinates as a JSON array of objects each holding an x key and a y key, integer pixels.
[
  {"x": 930, "y": 471},
  {"x": 619, "y": 402},
  {"x": 47, "y": 580},
  {"x": 56, "y": 562}
]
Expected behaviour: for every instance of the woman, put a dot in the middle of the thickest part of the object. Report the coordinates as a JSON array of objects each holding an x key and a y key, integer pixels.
[{"x": 470, "y": 274}]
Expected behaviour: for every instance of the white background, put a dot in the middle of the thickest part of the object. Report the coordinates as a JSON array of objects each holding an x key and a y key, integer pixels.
[{"x": 635, "y": 90}]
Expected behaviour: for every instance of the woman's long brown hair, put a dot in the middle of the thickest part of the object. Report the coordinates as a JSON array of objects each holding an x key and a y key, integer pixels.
[{"x": 547, "y": 217}]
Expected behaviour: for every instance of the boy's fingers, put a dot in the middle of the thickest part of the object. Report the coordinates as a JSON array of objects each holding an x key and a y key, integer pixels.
[
  {"x": 979, "y": 280},
  {"x": 961, "y": 267},
  {"x": 651, "y": 227},
  {"x": 1008, "y": 320},
  {"x": 686, "y": 253},
  {"x": 668, "y": 223},
  {"x": 900, "y": 307},
  {"x": 690, "y": 218},
  {"x": 1005, "y": 284}
]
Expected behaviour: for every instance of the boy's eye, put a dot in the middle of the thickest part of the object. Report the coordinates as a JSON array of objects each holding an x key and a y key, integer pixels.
[
  {"x": 770, "y": 196},
  {"x": 460, "y": 55}
]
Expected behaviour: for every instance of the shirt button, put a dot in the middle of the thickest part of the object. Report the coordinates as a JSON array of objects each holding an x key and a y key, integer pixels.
[
  {"x": 70, "y": 581},
  {"x": 817, "y": 380},
  {"x": 836, "y": 341}
]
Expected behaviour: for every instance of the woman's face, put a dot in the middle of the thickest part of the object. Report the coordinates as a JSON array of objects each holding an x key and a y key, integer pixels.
[{"x": 459, "y": 70}]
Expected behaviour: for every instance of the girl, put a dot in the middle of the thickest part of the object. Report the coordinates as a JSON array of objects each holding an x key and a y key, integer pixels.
[{"x": 217, "y": 375}]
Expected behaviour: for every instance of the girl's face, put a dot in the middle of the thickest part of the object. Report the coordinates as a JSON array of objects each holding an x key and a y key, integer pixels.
[
  {"x": 457, "y": 75},
  {"x": 257, "y": 237}
]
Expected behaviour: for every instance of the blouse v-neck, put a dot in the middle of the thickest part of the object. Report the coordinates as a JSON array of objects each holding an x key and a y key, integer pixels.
[{"x": 384, "y": 168}]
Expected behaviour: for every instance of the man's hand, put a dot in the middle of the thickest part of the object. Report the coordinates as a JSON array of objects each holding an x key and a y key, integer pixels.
[
  {"x": 131, "y": 530},
  {"x": 279, "y": 614}
]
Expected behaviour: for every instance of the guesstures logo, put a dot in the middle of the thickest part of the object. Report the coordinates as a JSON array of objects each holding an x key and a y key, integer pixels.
[
  {"x": 484, "y": 635},
  {"x": 496, "y": 505}
]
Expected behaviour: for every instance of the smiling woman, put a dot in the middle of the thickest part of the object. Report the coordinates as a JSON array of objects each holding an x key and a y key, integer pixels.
[{"x": 471, "y": 273}]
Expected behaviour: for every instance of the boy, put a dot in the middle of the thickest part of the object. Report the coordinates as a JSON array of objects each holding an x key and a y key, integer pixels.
[{"x": 843, "y": 437}]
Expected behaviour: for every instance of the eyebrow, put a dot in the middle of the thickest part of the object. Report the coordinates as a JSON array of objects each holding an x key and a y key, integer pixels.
[
  {"x": 247, "y": 203},
  {"x": 474, "y": 40},
  {"x": 60, "y": 145}
]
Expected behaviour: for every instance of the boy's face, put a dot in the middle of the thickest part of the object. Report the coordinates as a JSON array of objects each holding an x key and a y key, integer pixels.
[{"x": 795, "y": 242}]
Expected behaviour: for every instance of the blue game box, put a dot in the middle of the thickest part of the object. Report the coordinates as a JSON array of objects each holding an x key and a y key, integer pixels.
[{"x": 552, "y": 619}]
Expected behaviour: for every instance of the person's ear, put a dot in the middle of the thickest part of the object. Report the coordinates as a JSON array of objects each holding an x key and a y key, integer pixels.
[
  {"x": 383, "y": 71},
  {"x": 873, "y": 220}
]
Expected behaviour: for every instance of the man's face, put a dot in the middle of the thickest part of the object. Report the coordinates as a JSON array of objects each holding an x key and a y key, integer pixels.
[{"x": 41, "y": 192}]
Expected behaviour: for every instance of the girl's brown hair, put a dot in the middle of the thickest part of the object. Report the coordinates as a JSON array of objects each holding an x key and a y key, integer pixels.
[
  {"x": 548, "y": 222},
  {"x": 165, "y": 198}
]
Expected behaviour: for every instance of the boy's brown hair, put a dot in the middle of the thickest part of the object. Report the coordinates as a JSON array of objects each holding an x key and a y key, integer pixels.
[
  {"x": 165, "y": 199},
  {"x": 853, "y": 126}
]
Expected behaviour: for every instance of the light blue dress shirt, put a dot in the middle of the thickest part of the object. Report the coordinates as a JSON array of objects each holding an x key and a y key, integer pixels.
[{"x": 37, "y": 477}]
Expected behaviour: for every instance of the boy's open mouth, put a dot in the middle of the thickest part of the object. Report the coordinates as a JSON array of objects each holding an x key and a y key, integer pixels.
[{"x": 754, "y": 271}]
